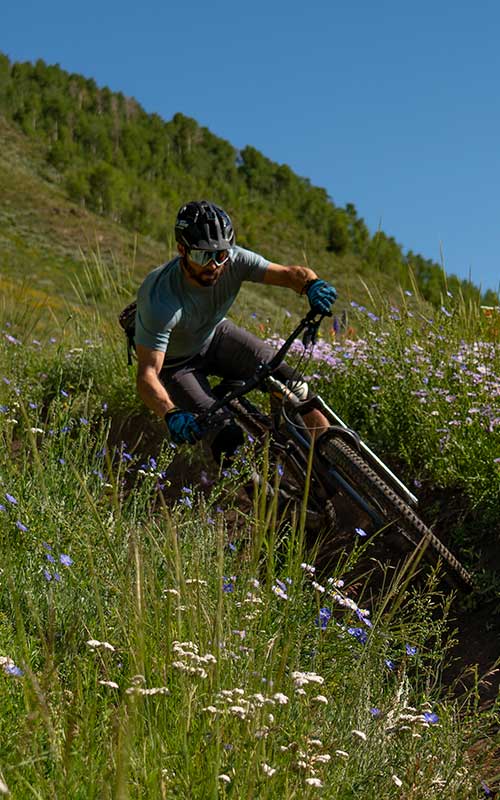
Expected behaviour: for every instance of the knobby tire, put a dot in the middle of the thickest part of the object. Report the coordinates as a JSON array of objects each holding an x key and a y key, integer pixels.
[{"x": 389, "y": 505}]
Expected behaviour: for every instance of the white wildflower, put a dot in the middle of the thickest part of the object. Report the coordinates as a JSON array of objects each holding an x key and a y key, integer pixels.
[
  {"x": 140, "y": 690},
  {"x": 280, "y": 698},
  {"x": 37, "y": 430},
  {"x": 267, "y": 770},
  {"x": 341, "y": 753},
  {"x": 224, "y": 778},
  {"x": 315, "y": 742},
  {"x": 314, "y": 782},
  {"x": 238, "y": 711},
  {"x": 111, "y": 684},
  {"x": 304, "y": 678},
  {"x": 252, "y": 598},
  {"x": 210, "y": 709},
  {"x": 308, "y": 568},
  {"x": 397, "y": 781},
  {"x": 93, "y": 643},
  {"x": 320, "y": 698},
  {"x": 185, "y": 645},
  {"x": 4, "y": 789},
  {"x": 322, "y": 758},
  {"x": 317, "y": 586},
  {"x": 361, "y": 734}
]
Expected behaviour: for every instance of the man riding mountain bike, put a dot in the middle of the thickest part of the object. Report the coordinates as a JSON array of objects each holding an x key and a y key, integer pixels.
[{"x": 182, "y": 334}]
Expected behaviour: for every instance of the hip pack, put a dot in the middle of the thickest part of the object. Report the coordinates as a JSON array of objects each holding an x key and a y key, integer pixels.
[{"x": 126, "y": 319}]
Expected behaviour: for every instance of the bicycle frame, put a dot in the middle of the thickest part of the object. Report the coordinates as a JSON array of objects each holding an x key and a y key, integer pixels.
[{"x": 263, "y": 378}]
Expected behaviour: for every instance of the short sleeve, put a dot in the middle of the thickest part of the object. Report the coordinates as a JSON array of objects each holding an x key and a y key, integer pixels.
[
  {"x": 251, "y": 266},
  {"x": 150, "y": 335}
]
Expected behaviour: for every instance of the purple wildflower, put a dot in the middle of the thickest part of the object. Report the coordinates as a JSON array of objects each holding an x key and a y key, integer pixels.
[
  {"x": 227, "y": 585},
  {"x": 11, "y": 669},
  {"x": 65, "y": 560},
  {"x": 20, "y": 525},
  {"x": 410, "y": 650},
  {"x": 375, "y": 712},
  {"x": 359, "y": 633},
  {"x": 11, "y": 499},
  {"x": 323, "y": 618},
  {"x": 47, "y": 575},
  {"x": 2, "y": 507},
  {"x": 363, "y": 617},
  {"x": 360, "y": 531},
  {"x": 431, "y": 718},
  {"x": 50, "y": 558},
  {"x": 390, "y": 664}
]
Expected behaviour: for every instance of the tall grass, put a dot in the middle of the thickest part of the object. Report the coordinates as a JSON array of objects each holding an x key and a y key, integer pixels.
[{"x": 156, "y": 646}]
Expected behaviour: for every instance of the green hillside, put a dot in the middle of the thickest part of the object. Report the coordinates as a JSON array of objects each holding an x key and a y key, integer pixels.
[{"x": 82, "y": 168}]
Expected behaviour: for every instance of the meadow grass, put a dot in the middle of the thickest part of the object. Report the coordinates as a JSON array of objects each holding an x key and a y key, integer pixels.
[{"x": 159, "y": 646}]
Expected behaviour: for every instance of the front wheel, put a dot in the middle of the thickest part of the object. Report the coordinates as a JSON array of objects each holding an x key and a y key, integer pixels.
[{"x": 388, "y": 507}]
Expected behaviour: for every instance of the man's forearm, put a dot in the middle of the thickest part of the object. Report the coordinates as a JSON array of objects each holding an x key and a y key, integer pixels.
[
  {"x": 154, "y": 395},
  {"x": 292, "y": 277}
]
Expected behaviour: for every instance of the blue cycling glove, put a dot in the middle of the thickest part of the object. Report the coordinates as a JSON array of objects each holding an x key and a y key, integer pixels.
[
  {"x": 321, "y": 296},
  {"x": 182, "y": 426}
]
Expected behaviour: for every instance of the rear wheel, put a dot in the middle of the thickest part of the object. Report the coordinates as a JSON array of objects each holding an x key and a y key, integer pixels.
[{"x": 389, "y": 508}]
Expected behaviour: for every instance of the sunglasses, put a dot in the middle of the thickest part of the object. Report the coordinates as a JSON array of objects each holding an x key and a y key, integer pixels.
[{"x": 204, "y": 257}]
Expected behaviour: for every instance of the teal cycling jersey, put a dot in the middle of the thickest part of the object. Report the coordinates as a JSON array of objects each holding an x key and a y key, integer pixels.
[{"x": 179, "y": 319}]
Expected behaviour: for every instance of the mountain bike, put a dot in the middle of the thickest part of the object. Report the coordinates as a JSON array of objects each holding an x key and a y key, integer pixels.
[{"x": 341, "y": 465}]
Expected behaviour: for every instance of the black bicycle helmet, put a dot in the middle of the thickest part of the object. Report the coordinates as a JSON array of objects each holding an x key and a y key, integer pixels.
[{"x": 201, "y": 225}]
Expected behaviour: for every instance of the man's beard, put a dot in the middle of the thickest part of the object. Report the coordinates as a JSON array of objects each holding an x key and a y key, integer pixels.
[{"x": 204, "y": 279}]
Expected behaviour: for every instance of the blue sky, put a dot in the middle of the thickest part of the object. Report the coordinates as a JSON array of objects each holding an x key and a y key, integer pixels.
[{"x": 393, "y": 106}]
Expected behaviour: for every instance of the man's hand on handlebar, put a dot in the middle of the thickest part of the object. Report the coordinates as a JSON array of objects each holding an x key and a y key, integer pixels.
[
  {"x": 182, "y": 426},
  {"x": 321, "y": 296}
]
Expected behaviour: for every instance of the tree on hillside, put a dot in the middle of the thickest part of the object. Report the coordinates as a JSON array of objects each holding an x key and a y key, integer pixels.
[{"x": 4, "y": 79}]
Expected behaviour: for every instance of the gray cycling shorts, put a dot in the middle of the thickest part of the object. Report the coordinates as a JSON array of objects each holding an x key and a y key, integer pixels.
[{"x": 233, "y": 353}]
